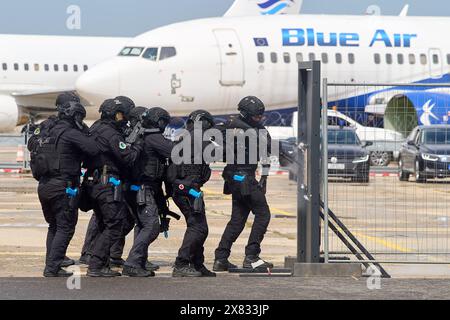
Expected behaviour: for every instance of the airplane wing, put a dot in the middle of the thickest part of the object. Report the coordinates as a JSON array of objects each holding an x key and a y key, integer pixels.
[
  {"x": 39, "y": 102},
  {"x": 263, "y": 7}
]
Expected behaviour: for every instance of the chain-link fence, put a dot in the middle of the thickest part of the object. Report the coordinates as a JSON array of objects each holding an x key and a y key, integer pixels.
[{"x": 388, "y": 170}]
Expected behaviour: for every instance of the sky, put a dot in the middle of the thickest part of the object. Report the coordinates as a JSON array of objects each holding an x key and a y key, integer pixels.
[{"x": 132, "y": 17}]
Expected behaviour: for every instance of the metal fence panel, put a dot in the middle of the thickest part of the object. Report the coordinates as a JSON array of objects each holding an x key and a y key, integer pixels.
[{"x": 396, "y": 220}]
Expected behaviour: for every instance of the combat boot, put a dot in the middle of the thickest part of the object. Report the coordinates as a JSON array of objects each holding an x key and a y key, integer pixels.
[
  {"x": 255, "y": 262},
  {"x": 205, "y": 272},
  {"x": 84, "y": 259},
  {"x": 136, "y": 272},
  {"x": 102, "y": 273},
  {"x": 185, "y": 271},
  {"x": 151, "y": 266},
  {"x": 222, "y": 265},
  {"x": 67, "y": 262},
  {"x": 116, "y": 263},
  {"x": 60, "y": 274}
]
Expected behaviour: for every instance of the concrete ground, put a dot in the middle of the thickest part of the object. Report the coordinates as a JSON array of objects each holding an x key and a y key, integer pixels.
[{"x": 398, "y": 221}]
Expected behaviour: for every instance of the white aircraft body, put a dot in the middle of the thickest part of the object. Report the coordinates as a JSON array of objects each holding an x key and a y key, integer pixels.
[
  {"x": 34, "y": 69},
  {"x": 213, "y": 63}
]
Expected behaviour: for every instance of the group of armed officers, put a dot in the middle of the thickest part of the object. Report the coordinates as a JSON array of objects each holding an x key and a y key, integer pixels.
[{"x": 125, "y": 160}]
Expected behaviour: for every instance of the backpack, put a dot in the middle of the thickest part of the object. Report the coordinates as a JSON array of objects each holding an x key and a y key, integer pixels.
[{"x": 44, "y": 155}]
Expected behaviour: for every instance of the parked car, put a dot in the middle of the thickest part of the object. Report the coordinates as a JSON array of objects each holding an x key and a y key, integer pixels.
[
  {"x": 426, "y": 154},
  {"x": 385, "y": 143},
  {"x": 347, "y": 155}
]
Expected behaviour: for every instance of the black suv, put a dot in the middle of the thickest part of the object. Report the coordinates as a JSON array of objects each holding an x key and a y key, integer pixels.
[
  {"x": 347, "y": 156},
  {"x": 426, "y": 154}
]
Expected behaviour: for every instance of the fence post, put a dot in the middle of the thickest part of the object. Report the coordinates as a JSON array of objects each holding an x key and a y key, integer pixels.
[
  {"x": 308, "y": 196},
  {"x": 326, "y": 244}
]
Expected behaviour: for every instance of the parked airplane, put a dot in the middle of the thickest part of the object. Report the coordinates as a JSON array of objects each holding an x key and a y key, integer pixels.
[
  {"x": 34, "y": 69},
  {"x": 214, "y": 62}
]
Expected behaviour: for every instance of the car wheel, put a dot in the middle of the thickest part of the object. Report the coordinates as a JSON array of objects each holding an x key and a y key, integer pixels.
[
  {"x": 380, "y": 159},
  {"x": 402, "y": 175},
  {"x": 420, "y": 177}
]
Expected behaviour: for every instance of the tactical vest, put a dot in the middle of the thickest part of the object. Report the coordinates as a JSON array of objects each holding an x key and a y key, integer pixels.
[
  {"x": 105, "y": 158},
  {"x": 45, "y": 158}
]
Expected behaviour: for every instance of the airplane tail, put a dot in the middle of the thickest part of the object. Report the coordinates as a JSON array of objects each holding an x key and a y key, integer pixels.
[{"x": 263, "y": 7}]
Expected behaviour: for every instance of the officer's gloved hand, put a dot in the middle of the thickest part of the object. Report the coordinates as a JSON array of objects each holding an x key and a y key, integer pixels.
[{"x": 262, "y": 184}]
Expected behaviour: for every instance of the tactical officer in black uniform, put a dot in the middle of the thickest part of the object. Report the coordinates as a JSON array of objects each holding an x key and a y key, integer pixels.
[
  {"x": 148, "y": 175},
  {"x": 187, "y": 179},
  {"x": 45, "y": 127},
  {"x": 56, "y": 163},
  {"x": 116, "y": 251},
  {"x": 104, "y": 182},
  {"x": 247, "y": 193}
]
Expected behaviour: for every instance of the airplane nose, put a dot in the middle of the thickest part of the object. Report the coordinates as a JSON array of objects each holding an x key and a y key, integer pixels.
[{"x": 99, "y": 83}]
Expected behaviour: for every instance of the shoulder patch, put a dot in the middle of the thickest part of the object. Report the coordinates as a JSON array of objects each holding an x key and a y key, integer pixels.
[
  {"x": 122, "y": 146},
  {"x": 37, "y": 131}
]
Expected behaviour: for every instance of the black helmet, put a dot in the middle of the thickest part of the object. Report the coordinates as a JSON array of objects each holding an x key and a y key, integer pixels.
[
  {"x": 204, "y": 116},
  {"x": 127, "y": 103},
  {"x": 251, "y": 107},
  {"x": 156, "y": 118},
  {"x": 136, "y": 114},
  {"x": 66, "y": 97},
  {"x": 110, "y": 108},
  {"x": 69, "y": 109},
  {"x": 73, "y": 111}
]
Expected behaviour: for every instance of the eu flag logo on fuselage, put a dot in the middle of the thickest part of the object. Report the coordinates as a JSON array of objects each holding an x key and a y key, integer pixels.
[{"x": 261, "y": 42}]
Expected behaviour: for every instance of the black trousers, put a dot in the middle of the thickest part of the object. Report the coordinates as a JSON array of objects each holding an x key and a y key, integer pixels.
[
  {"x": 109, "y": 215},
  {"x": 61, "y": 219},
  {"x": 117, "y": 248},
  {"x": 242, "y": 205},
  {"x": 192, "y": 248},
  {"x": 145, "y": 232}
]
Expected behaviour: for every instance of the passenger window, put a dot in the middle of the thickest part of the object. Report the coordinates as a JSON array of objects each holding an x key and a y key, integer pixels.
[
  {"x": 55, "y": 67},
  {"x": 261, "y": 58},
  {"x": 26, "y": 67},
  {"x": 46, "y": 67},
  {"x": 274, "y": 57},
  {"x": 131, "y": 52},
  {"x": 36, "y": 67},
  {"x": 66, "y": 68},
  {"x": 423, "y": 59},
  {"x": 287, "y": 57},
  {"x": 377, "y": 58},
  {"x": 5, "y": 67},
  {"x": 324, "y": 58},
  {"x": 389, "y": 58},
  {"x": 151, "y": 54},
  {"x": 16, "y": 66},
  {"x": 400, "y": 58},
  {"x": 435, "y": 59},
  {"x": 312, "y": 57},
  {"x": 299, "y": 57},
  {"x": 351, "y": 58},
  {"x": 167, "y": 52},
  {"x": 85, "y": 68},
  {"x": 338, "y": 58},
  {"x": 412, "y": 58},
  {"x": 75, "y": 68},
  {"x": 448, "y": 59}
]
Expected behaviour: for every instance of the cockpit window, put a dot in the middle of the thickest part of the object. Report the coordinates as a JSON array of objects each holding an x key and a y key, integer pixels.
[
  {"x": 167, "y": 52},
  {"x": 131, "y": 52},
  {"x": 151, "y": 54}
]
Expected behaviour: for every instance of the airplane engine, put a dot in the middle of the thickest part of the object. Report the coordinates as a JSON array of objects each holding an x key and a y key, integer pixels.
[
  {"x": 409, "y": 109},
  {"x": 9, "y": 113}
]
